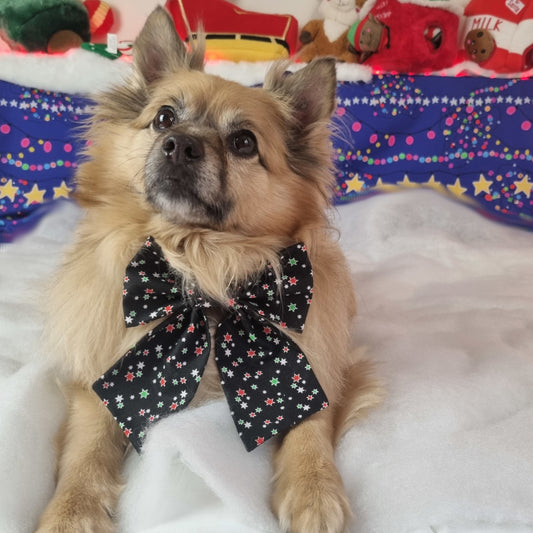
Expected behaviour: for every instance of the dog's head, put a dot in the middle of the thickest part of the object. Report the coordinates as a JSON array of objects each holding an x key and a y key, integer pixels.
[{"x": 199, "y": 151}]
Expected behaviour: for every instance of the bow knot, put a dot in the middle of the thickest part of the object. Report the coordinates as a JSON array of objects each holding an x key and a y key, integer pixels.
[{"x": 267, "y": 380}]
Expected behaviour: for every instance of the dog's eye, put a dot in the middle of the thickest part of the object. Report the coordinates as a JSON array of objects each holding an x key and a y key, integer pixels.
[
  {"x": 165, "y": 118},
  {"x": 243, "y": 143}
]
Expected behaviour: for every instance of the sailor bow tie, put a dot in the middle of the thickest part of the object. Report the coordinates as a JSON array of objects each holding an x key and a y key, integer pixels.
[{"x": 268, "y": 382}]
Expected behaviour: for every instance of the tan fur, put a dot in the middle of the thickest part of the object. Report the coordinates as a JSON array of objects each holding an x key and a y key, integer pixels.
[{"x": 277, "y": 198}]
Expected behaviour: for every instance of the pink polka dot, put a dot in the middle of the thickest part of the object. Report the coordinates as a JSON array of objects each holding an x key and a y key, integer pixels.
[
  {"x": 449, "y": 121},
  {"x": 511, "y": 109},
  {"x": 67, "y": 147},
  {"x": 526, "y": 125},
  {"x": 392, "y": 140},
  {"x": 373, "y": 138},
  {"x": 5, "y": 129},
  {"x": 409, "y": 140},
  {"x": 431, "y": 134},
  {"x": 25, "y": 142},
  {"x": 356, "y": 126},
  {"x": 47, "y": 146}
]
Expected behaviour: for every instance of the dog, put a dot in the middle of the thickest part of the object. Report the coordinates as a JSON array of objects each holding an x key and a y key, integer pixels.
[{"x": 221, "y": 179}]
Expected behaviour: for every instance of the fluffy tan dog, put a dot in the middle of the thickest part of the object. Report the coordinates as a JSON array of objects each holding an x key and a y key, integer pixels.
[{"x": 223, "y": 177}]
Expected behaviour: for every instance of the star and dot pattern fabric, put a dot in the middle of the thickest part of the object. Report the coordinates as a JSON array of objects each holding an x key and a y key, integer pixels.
[{"x": 267, "y": 380}]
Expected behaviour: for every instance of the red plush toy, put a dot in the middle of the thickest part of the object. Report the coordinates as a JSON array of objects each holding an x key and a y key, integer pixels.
[
  {"x": 233, "y": 33},
  {"x": 498, "y": 34},
  {"x": 415, "y": 36}
]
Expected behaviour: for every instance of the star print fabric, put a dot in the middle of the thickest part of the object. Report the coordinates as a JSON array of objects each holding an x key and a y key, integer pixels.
[{"x": 267, "y": 380}]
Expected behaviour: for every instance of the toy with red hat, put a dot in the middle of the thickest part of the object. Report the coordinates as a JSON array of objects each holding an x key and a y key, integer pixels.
[{"x": 402, "y": 36}]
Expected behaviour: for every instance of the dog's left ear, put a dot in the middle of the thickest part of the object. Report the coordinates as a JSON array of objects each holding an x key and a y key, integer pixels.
[
  {"x": 309, "y": 92},
  {"x": 159, "y": 50}
]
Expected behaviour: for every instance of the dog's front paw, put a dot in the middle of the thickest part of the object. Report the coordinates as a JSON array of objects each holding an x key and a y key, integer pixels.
[
  {"x": 311, "y": 500},
  {"x": 80, "y": 515}
]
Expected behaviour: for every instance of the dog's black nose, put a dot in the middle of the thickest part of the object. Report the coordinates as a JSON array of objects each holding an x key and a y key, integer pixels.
[{"x": 183, "y": 148}]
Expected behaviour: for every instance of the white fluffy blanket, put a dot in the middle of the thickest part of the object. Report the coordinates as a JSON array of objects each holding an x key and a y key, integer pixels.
[{"x": 446, "y": 312}]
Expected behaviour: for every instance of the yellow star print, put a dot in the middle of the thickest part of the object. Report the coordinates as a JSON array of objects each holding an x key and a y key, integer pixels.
[
  {"x": 36, "y": 195},
  {"x": 8, "y": 190},
  {"x": 406, "y": 182},
  {"x": 524, "y": 185},
  {"x": 62, "y": 191},
  {"x": 355, "y": 184},
  {"x": 482, "y": 185},
  {"x": 433, "y": 184},
  {"x": 456, "y": 188}
]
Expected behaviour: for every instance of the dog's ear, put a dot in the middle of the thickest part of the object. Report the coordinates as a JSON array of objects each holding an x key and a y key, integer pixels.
[
  {"x": 158, "y": 49},
  {"x": 309, "y": 92}
]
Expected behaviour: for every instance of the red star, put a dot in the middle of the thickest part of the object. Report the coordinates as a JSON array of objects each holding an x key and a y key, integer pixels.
[
  {"x": 174, "y": 406},
  {"x": 324, "y": 405},
  {"x": 267, "y": 330},
  {"x": 293, "y": 281},
  {"x": 126, "y": 279},
  {"x": 241, "y": 392},
  {"x": 127, "y": 432},
  {"x": 198, "y": 351},
  {"x": 251, "y": 353},
  {"x": 269, "y": 401},
  {"x": 105, "y": 385},
  {"x": 168, "y": 309},
  {"x": 283, "y": 325},
  {"x": 183, "y": 380},
  {"x": 190, "y": 329},
  {"x": 106, "y": 402},
  {"x": 170, "y": 328},
  {"x": 260, "y": 440},
  {"x": 231, "y": 302},
  {"x": 130, "y": 376},
  {"x": 142, "y": 412},
  {"x": 149, "y": 291},
  {"x": 227, "y": 337},
  {"x": 296, "y": 377},
  {"x": 163, "y": 382}
]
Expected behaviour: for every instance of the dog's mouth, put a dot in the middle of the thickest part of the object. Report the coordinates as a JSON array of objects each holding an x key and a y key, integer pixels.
[{"x": 186, "y": 180}]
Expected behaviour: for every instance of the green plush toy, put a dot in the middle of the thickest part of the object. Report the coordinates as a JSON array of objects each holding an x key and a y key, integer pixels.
[{"x": 44, "y": 25}]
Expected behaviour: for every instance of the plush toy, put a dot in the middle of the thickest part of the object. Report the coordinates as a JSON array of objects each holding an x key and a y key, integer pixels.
[
  {"x": 44, "y": 25},
  {"x": 233, "y": 33},
  {"x": 498, "y": 34},
  {"x": 327, "y": 36},
  {"x": 100, "y": 17},
  {"x": 406, "y": 36}
]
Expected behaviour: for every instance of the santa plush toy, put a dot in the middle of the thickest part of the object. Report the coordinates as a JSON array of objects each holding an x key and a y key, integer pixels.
[
  {"x": 406, "y": 36},
  {"x": 498, "y": 34}
]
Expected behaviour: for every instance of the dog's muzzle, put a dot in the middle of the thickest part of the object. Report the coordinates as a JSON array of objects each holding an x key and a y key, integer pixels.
[{"x": 183, "y": 149}]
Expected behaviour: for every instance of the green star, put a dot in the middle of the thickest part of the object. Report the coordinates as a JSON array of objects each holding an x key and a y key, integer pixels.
[
  {"x": 293, "y": 262},
  {"x": 292, "y": 307},
  {"x": 144, "y": 394},
  {"x": 274, "y": 381}
]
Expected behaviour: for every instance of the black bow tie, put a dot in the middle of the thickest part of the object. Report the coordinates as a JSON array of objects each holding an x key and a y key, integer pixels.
[{"x": 266, "y": 378}]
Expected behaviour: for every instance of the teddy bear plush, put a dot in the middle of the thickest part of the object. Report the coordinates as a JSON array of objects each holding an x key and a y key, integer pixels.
[{"x": 327, "y": 36}]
